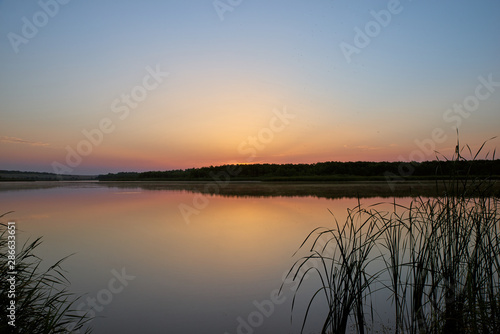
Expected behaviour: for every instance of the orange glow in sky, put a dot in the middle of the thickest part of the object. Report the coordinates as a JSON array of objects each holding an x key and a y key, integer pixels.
[{"x": 173, "y": 85}]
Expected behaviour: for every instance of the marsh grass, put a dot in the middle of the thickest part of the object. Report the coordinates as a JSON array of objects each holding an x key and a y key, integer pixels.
[
  {"x": 43, "y": 302},
  {"x": 436, "y": 260}
]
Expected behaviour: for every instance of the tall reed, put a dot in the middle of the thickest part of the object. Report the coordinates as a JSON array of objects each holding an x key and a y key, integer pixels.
[
  {"x": 437, "y": 259},
  {"x": 43, "y": 303}
]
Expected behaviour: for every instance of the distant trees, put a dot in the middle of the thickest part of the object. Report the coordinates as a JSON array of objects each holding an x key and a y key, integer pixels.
[{"x": 331, "y": 170}]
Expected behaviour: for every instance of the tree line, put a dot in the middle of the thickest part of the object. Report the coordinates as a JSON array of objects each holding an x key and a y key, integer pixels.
[{"x": 321, "y": 171}]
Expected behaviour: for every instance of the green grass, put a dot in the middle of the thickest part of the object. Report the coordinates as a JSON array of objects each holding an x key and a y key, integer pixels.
[
  {"x": 437, "y": 259},
  {"x": 43, "y": 303}
]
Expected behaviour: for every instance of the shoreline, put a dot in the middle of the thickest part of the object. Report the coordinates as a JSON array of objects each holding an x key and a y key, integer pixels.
[{"x": 338, "y": 189}]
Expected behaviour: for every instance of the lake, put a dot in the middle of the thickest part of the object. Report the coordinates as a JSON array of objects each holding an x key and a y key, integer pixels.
[{"x": 165, "y": 258}]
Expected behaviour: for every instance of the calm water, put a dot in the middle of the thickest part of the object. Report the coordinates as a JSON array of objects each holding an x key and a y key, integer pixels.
[{"x": 217, "y": 274}]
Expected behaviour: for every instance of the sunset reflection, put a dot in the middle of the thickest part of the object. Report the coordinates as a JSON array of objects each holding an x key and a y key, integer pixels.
[{"x": 234, "y": 251}]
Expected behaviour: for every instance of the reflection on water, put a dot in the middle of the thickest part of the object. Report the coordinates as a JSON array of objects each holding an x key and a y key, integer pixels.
[
  {"x": 214, "y": 275},
  {"x": 260, "y": 189}
]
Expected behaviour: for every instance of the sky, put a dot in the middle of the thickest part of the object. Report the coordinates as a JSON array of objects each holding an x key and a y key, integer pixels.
[{"x": 90, "y": 87}]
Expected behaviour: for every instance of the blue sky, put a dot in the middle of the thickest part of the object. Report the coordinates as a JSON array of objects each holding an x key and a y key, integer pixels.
[{"x": 226, "y": 76}]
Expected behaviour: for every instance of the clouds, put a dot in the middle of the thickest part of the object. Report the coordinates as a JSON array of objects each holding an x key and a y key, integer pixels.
[{"x": 15, "y": 140}]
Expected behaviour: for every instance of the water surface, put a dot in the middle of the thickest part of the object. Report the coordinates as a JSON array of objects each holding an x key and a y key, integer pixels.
[{"x": 216, "y": 273}]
